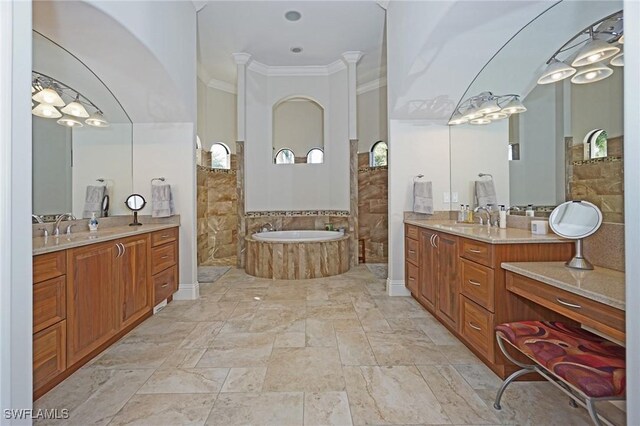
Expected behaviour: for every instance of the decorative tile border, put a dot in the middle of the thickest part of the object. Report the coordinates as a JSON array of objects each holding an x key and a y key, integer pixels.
[
  {"x": 611, "y": 159},
  {"x": 372, "y": 169},
  {"x": 290, "y": 213},
  {"x": 221, "y": 171}
]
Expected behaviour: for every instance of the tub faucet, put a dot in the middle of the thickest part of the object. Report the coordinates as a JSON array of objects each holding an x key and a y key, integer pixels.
[
  {"x": 60, "y": 218},
  {"x": 267, "y": 227},
  {"x": 36, "y": 219}
]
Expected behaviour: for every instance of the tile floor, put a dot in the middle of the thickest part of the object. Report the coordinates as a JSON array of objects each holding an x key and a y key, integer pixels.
[{"x": 315, "y": 352}]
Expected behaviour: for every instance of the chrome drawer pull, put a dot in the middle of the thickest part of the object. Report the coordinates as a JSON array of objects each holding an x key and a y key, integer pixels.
[
  {"x": 164, "y": 285},
  {"x": 164, "y": 257},
  {"x": 474, "y": 250},
  {"x": 571, "y": 305},
  {"x": 475, "y": 327},
  {"x": 411, "y": 279},
  {"x": 412, "y": 252},
  {"x": 164, "y": 236},
  {"x": 476, "y": 283}
]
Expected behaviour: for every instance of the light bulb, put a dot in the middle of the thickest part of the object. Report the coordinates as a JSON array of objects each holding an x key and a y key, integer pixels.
[
  {"x": 556, "y": 75},
  {"x": 590, "y": 75},
  {"x": 595, "y": 57}
]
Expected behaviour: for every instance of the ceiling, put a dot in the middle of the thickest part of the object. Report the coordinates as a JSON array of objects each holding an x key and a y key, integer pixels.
[{"x": 325, "y": 31}]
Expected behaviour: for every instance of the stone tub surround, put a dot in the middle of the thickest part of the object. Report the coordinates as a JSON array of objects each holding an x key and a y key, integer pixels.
[
  {"x": 308, "y": 221},
  {"x": 602, "y": 285},
  {"x": 117, "y": 228},
  {"x": 297, "y": 260},
  {"x": 218, "y": 360}
]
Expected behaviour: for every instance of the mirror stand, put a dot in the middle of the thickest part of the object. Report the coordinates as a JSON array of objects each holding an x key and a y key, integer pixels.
[
  {"x": 135, "y": 220},
  {"x": 578, "y": 261}
]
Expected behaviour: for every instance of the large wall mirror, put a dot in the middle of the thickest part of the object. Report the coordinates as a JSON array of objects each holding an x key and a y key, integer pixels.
[
  {"x": 69, "y": 154},
  {"x": 555, "y": 150},
  {"x": 298, "y": 131}
]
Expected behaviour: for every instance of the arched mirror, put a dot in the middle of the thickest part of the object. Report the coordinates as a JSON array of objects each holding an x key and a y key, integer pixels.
[
  {"x": 576, "y": 220},
  {"x": 298, "y": 127}
]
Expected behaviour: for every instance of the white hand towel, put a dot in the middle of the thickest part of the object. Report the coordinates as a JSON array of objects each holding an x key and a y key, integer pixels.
[
  {"x": 162, "y": 201},
  {"x": 422, "y": 197},
  {"x": 93, "y": 200},
  {"x": 486, "y": 192}
]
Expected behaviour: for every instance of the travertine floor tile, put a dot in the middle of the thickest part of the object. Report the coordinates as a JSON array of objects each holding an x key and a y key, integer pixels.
[
  {"x": 267, "y": 408},
  {"x": 245, "y": 380},
  {"x": 277, "y": 321},
  {"x": 186, "y": 380},
  {"x": 355, "y": 349},
  {"x": 391, "y": 395},
  {"x": 159, "y": 330},
  {"x": 320, "y": 333},
  {"x": 326, "y": 408},
  {"x": 135, "y": 355},
  {"x": 166, "y": 409},
  {"x": 458, "y": 399},
  {"x": 290, "y": 340},
  {"x": 404, "y": 348},
  {"x": 202, "y": 335},
  {"x": 479, "y": 376},
  {"x": 305, "y": 370},
  {"x": 238, "y": 350}
]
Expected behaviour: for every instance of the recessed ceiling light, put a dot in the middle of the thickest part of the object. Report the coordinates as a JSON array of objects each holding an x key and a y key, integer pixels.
[
  {"x": 296, "y": 49},
  {"x": 292, "y": 15}
]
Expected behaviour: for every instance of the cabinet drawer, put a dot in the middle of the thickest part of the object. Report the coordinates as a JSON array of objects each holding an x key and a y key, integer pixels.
[
  {"x": 49, "y": 303},
  {"x": 163, "y": 257},
  {"x": 477, "y": 251},
  {"x": 477, "y": 327},
  {"x": 477, "y": 283},
  {"x": 164, "y": 236},
  {"x": 411, "y": 273},
  {"x": 601, "y": 317},
  {"x": 50, "y": 265},
  {"x": 49, "y": 353},
  {"x": 412, "y": 232},
  {"x": 412, "y": 250},
  {"x": 164, "y": 284}
]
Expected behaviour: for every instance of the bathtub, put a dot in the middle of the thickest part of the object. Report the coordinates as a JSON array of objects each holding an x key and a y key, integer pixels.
[
  {"x": 297, "y": 236},
  {"x": 295, "y": 255}
]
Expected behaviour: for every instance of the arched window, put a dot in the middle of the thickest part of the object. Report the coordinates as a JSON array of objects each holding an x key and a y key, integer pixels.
[
  {"x": 220, "y": 156},
  {"x": 285, "y": 156},
  {"x": 315, "y": 156},
  {"x": 379, "y": 152}
]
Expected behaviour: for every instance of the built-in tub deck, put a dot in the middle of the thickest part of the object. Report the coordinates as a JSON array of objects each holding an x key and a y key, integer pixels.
[{"x": 294, "y": 255}]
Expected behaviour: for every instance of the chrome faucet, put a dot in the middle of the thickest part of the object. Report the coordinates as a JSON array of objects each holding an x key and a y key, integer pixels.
[
  {"x": 514, "y": 208},
  {"x": 267, "y": 227},
  {"x": 477, "y": 210},
  {"x": 60, "y": 218},
  {"x": 36, "y": 218}
]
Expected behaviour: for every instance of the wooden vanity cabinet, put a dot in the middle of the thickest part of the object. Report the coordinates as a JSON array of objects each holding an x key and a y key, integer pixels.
[
  {"x": 428, "y": 270},
  {"x": 133, "y": 267}
]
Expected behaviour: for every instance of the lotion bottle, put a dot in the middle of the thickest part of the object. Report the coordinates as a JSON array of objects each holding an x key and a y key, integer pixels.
[
  {"x": 503, "y": 217},
  {"x": 529, "y": 211},
  {"x": 93, "y": 223}
]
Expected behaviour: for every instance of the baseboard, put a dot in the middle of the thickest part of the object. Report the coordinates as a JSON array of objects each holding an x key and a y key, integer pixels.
[
  {"x": 397, "y": 288},
  {"x": 187, "y": 292}
]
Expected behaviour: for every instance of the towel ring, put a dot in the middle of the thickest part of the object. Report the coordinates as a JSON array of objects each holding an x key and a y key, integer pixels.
[
  {"x": 485, "y": 175},
  {"x": 158, "y": 178},
  {"x": 415, "y": 178},
  {"x": 102, "y": 181}
]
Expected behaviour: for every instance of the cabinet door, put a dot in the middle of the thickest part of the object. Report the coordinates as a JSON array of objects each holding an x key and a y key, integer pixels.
[
  {"x": 92, "y": 298},
  {"x": 133, "y": 276},
  {"x": 447, "y": 305},
  {"x": 428, "y": 270}
]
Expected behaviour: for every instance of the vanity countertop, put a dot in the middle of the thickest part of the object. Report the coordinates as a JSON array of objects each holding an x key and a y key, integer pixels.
[
  {"x": 602, "y": 285},
  {"x": 49, "y": 244},
  {"x": 491, "y": 235}
]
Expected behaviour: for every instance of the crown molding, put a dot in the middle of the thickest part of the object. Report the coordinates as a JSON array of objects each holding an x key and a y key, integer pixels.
[
  {"x": 352, "y": 57},
  {"x": 222, "y": 85},
  {"x": 292, "y": 71},
  {"x": 372, "y": 85},
  {"x": 241, "y": 58}
]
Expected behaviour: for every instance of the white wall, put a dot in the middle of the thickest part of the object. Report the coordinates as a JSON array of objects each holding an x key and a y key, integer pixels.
[
  {"x": 474, "y": 150},
  {"x": 632, "y": 202},
  {"x": 167, "y": 150},
  {"x": 16, "y": 290},
  {"x": 534, "y": 176},
  {"x": 301, "y": 186},
  {"x": 216, "y": 117},
  {"x": 52, "y": 190},
  {"x": 103, "y": 153},
  {"x": 372, "y": 118},
  {"x": 298, "y": 124}
]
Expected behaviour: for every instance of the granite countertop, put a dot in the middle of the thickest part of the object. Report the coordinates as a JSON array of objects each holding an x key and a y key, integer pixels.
[
  {"x": 491, "y": 235},
  {"x": 601, "y": 285},
  {"x": 49, "y": 244}
]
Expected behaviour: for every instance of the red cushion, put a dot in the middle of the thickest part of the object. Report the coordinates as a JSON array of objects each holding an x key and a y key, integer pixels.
[{"x": 588, "y": 362}]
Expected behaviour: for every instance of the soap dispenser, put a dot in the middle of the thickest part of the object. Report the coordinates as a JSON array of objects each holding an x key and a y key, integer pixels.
[
  {"x": 529, "y": 211},
  {"x": 503, "y": 217},
  {"x": 93, "y": 223}
]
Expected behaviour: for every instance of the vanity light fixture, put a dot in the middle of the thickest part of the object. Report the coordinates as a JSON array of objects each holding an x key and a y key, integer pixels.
[
  {"x": 50, "y": 93},
  {"x": 481, "y": 120},
  {"x": 472, "y": 113},
  {"x": 618, "y": 60},
  {"x": 556, "y": 71},
  {"x": 75, "y": 108},
  {"x": 489, "y": 106},
  {"x": 486, "y": 107},
  {"x": 594, "y": 51},
  {"x": 514, "y": 106},
  {"x": 498, "y": 115},
  {"x": 592, "y": 73},
  {"x": 457, "y": 118}
]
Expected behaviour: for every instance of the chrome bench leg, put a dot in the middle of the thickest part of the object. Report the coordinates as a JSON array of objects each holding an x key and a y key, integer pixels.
[
  {"x": 506, "y": 383},
  {"x": 591, "y": 407}
]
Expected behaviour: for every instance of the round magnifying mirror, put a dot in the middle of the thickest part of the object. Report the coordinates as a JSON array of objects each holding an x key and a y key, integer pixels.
[
  {"x": 135, "y": 203},
  {"x": 576, "y": 220}
]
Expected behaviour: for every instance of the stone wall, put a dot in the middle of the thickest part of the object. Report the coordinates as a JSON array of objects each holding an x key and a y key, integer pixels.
[
  {"x": 372, "y": 209},
  {"x": 217, "y": 216},
  {"x": 599, "y": 181}
]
